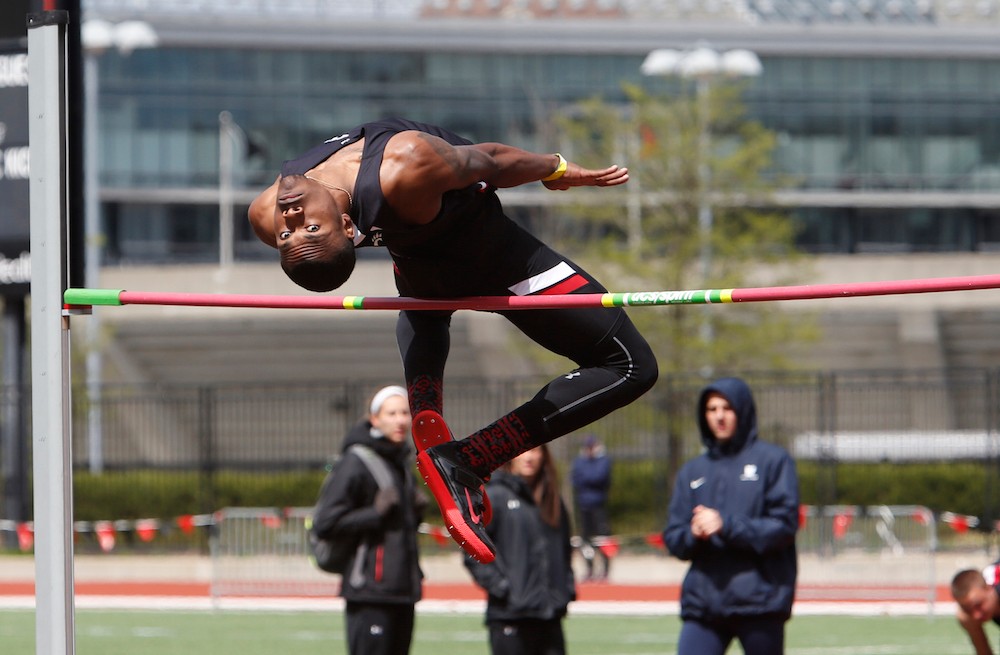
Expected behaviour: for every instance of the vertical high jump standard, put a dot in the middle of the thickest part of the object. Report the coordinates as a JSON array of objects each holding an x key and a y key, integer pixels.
[{"x": 50, "y": 383}]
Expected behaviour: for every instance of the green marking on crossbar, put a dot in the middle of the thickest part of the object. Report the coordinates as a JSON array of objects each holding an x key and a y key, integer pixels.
[
  {"x": 92, "y": 296},
  {"x": 664, "y": 298}
]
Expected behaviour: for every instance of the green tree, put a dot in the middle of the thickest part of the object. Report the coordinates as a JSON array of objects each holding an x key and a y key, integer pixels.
[{"x": 686, "y": 154}]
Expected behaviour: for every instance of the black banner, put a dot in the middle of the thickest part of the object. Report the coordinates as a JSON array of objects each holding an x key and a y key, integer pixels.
[{"x": 15, "y": 269}]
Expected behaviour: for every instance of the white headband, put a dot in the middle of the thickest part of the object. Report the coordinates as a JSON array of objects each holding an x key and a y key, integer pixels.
[{"x": 385, "y": 394}]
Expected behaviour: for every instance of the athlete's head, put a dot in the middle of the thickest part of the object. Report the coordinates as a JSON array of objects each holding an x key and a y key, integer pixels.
[
  {"x": 976, "y": 598},
  {"x": 319, "y": 267},
  {"x": 315, "y": 237}
]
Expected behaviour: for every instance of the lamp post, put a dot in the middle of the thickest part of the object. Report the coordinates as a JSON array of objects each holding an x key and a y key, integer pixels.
[
  {"x": 233, "y": 143},
  {"x": 704, "y": 65},
  {"x": 96, "y": 37}
]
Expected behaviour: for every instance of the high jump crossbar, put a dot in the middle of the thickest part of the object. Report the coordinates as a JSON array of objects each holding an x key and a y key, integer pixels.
[{"x": 79, "y": 298}]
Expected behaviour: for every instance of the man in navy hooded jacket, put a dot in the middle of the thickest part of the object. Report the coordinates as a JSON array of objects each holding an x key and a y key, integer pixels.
[{"x": 734, "y": 514}]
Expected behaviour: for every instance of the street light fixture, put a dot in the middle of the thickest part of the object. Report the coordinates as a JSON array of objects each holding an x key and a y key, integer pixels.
[
  {"x": 97, "y": 37},
  {"x": 704, "y": 65},
  {"x": 702, "y": 61}
]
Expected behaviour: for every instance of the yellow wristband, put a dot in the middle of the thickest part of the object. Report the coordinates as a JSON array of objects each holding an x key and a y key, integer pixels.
[{"x": 560, "y": 170}]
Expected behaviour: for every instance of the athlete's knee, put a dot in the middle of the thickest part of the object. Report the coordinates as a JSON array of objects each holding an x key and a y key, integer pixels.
[
  {"x": 647, "y": 371},
  {"x": 645, "y": 374},
  {"x": 641, "y": 370}
]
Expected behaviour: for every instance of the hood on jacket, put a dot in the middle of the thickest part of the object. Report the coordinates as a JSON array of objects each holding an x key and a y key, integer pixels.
[
  {"x": 513, "y": 482},
  {"x": 363, "y": 433},
  {"x": 737, "y": 392}
]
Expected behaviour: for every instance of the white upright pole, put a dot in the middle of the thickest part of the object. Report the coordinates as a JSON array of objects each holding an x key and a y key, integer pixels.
[
  {"x": 50, "y": 433},
  {"x": 225, "y": 189},
  {"x": 93, "y": 236}
]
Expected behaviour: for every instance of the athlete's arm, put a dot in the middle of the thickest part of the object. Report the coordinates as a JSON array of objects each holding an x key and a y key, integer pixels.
[
  {"x": 516, "y": 167},
  {"x": 261, "y": 215},
  {"x": 418, "y": 168},
  {"x": 976, "y": 633}
]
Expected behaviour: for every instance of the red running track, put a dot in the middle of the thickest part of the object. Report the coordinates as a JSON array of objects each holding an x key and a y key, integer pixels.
[{"x": 586, "y": 591}]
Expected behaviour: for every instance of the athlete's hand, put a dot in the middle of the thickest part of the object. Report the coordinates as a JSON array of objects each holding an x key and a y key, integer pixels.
[{"x": 579, "y": 176}]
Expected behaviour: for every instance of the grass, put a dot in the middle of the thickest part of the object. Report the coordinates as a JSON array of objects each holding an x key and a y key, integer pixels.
[{"x": 100, "y": 632}]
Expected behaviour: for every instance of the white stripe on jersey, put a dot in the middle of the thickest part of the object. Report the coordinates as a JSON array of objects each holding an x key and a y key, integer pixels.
[{"x": 543, "y": 280}]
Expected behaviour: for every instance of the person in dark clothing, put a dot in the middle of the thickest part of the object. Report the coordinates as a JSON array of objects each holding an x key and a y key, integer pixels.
[
  {"x": 530, "y": 584},
  {"x": 977, "y": 594},
  {"x": 382, "y": 591},
  {"x": 591, "y": 476},
  {"x": 429, "y": 196},
  {"x": 734, "y": 514}
]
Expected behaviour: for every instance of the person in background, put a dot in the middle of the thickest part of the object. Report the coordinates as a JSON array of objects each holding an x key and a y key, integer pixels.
[
  {"x": 530, "y": 583},
  {"x": 380, "y": 599},
  {"x": 591, "y": 476},
  {"x": 978, "y": 596},
  {"x": 734, "y": 514}
]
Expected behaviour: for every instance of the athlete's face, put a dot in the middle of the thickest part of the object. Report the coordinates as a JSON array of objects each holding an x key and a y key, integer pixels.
[
  {"x": 306, "y": 216},
  {"x": 720, "y": 416},
  {"x": 528, "y": 464},
  {"x": 981, "y": 603},
  {"x": 393, "y": 418}
]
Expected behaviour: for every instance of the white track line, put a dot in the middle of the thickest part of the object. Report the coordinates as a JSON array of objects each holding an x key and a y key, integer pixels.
[{"x": 630, "y": 608}]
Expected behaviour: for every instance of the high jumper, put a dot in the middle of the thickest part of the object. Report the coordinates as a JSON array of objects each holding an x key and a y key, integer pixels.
[{"x": 429, "y": 196}]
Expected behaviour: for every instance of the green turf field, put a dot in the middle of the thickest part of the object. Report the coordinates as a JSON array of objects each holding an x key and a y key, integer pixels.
[{"x": 267, "y": 633}]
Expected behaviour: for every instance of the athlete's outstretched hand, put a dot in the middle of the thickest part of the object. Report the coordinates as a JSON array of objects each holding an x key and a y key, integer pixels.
[{"x": 579, "y": 176}]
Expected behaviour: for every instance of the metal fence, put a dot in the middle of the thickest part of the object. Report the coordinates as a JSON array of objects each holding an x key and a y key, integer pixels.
[
  {"x": 243, "y": 432},
  {"x": 261, "y": 551},
  {"x": 265, "y": 552}
]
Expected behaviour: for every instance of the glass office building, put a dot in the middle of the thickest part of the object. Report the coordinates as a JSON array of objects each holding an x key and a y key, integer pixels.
[{"x": 886, "y": 110}]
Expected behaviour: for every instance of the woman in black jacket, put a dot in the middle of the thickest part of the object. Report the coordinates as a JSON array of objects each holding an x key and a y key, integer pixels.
[
  {"x": 530, "y": 584},
  {"x": 382, "y": 590}
]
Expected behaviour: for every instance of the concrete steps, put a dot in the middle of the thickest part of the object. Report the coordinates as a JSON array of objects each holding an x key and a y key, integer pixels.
[{"x": 273, "y": 350}]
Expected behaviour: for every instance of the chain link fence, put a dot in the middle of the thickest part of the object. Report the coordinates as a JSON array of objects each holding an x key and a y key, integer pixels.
[{"x": 223, "y": 440}]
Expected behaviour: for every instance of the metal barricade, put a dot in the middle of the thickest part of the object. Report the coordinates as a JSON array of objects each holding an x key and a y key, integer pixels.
[
  {"x": 903, "y": 537},
  {"x": 264, "y": 551}
]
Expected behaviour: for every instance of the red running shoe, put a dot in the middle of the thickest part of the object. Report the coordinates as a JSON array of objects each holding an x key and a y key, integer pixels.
[{"x": 459, "y": 492}]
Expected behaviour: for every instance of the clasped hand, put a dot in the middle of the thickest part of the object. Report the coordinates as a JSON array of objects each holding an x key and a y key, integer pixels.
[
  {"x": 705, "y": 522},
  {"x": 386, "y": 499}
]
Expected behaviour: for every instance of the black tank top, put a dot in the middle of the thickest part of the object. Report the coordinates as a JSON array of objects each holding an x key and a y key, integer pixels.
[
  {"x": 370, "y": 212},
  {"x": 454, "y": 255}
]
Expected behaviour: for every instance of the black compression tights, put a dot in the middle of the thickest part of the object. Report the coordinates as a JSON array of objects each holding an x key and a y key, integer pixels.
[{"x": 615, "y": 366}]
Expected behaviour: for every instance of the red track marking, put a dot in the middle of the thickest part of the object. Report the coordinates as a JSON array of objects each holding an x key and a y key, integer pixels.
[{"x": 468, "y": 591}]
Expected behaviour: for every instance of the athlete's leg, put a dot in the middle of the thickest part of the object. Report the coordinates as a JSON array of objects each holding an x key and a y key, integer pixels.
[
  {"x": 603, "y": 531},
  {"x": 403, "y": 619},
  {"x": 506, "y": 638},
  {"x": 549, "y": 637},
  {"x": 424, "y": 341},
  {"x": 527, "y": 637},
  {"x": 701, "y": 639},
  {"x": 615, "y": 366},
  {"x": 378, "y": 629},
  {"x": 762, "y": 636},
  {"x": 588, "y": 529}
]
